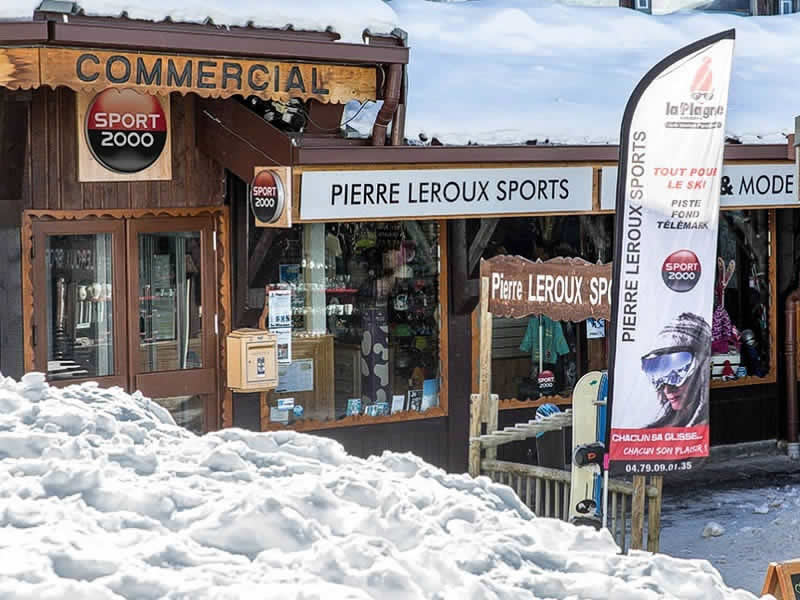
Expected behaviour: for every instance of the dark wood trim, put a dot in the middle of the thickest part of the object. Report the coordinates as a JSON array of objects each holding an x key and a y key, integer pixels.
[
  {"x": 479, "y": 243},
  {"x": 178, "y": 39},
  {"x": 410, "y": 156},
  {"x": 192, "y": 382},
  {"x": 25, "y": 32},
  {"x": 323, "y": 118},
  {"x": 13, "y": 146},
  {"x": 465, "y": 291},
  {"x": 238, "y": 139}
]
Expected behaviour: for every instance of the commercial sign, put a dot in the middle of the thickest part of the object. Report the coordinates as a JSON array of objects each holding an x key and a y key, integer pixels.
[
  {"x": 207, "y": 76},
  {"x": 386, "y": 194},
  {"x": 270, "y": 196},
  {"x": 564, "y": 289},
  {"x": 750, "y": 185},
  {"x": 672, "y": 142}
]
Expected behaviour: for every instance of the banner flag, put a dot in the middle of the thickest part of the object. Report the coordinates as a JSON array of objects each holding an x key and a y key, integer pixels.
[{"x": 670, "y": 161}]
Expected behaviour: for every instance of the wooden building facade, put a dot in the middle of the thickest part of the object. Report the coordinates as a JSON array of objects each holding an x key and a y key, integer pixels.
[{"x": 135, "y": 279}]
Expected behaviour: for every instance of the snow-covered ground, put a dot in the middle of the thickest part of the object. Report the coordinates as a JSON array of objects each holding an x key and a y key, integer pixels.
[
  {"x": 759, "y": 524},
  {"x": 103, "y": 497}
]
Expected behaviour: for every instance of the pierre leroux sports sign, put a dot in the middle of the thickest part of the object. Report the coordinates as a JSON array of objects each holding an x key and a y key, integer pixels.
[{"x": 425, "y": 193}]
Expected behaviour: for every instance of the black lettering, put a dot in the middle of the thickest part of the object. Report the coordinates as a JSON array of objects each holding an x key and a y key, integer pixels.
[
  {"x": 182, "y": 80},
  {"x": 203, "y": 74},
  {"x": 126, "y": 66},
  {"x": 314, "y": 87},
  {"x": 251, "y": 79},
  {"x": 83, "y": 76},
  {"x": 336, "y": 191},
  {"x": 142, "y": 75},
  {"x": 501, "y": 190},
  {"x": 564, "y": 189},
  {"x": 295, "y": 80},
  {"x": 231, "y": 71},
  {"x": 484, "y": 195}
]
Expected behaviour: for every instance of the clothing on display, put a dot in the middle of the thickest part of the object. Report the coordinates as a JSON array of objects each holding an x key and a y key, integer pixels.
[{"x": 553, "y": 345}]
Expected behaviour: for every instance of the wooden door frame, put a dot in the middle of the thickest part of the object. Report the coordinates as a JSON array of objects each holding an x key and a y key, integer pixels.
[
  {"x": 77, "y": 220},
  {"x": 173, "y": 382}
]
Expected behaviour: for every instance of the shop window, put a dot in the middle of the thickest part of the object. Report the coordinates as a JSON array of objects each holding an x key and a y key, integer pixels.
[
  {"x": 741, "y": 325},
  {"x": 365, "y": 318},
  {"x": 535, "y": 357}
]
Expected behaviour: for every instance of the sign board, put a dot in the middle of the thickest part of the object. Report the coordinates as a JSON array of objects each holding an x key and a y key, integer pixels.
[
  {"x": 430, "y": 193},
  {"x": 783, "y": 580},
  {"x": 564, "y": 289},
  {"x": 124, "y": 135},
  {"x": 207, "y": 76},
  {"x": 751, "y": 185},
  {"x": 270, "y": 196}
]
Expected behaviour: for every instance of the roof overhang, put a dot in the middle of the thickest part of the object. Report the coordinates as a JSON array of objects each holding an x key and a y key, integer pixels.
[
  {"x": 452, "y": 156},
  {"x": 84, "y": 53}
]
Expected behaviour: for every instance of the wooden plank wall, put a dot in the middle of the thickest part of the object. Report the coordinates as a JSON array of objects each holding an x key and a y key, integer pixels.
[{"x": 51, "y": 170}]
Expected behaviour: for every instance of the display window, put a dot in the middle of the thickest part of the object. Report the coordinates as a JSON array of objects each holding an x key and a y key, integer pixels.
[
  {"x": 537, "y": 359},
  {"x": 356, "y": 307}
]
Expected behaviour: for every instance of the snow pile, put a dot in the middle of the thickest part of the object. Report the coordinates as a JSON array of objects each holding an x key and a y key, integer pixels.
[
  {"x": 510, "y": 71},
  {"x": 103, "y": 497},
  {"x": 309, "y": 15}
]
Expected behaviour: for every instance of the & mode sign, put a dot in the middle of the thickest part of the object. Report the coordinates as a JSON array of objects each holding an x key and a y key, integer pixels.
[
  {"x": 341, "y": 195},
  {"x": 741, "y": 185}
]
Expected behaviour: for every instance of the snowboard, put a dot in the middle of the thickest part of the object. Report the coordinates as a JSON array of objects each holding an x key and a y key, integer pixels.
[
  {"x": 600, "y": 402},
  {"x": 584, "y": 432}
]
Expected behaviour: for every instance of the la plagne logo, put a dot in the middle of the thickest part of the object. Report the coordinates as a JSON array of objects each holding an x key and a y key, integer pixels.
[{"x": 697, "y": 110}]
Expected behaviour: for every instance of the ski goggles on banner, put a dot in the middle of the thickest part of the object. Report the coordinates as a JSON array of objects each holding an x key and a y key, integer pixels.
[{"x": 671, "y": 368}]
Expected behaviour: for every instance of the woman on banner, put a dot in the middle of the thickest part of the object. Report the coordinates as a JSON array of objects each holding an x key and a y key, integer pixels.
[{"x": 679, "y": 368}]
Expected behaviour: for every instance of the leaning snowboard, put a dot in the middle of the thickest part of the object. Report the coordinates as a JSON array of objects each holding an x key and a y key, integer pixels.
[
  {"x": 600, "y": 433},
  {"x": 582, "y": 505}
]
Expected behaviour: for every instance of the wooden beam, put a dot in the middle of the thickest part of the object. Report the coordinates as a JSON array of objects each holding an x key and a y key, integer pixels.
[
  {"x": 13, "y": 144},
  {"x": 238, "y": 139},
  {"x": 259, "y": 252},
  {"x": 465, "y": 291},
  {"x": 479, "y": 243}
]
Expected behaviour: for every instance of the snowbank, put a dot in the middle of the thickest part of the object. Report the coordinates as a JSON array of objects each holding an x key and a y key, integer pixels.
[
  {"x": 309, "y": 15},
  {"x": 103, "y": 497}
]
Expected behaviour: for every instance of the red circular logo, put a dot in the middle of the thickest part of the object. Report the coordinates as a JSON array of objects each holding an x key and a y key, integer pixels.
[
  {"x": 547, "y": 382},
  {"x": 681, "y": 271},
  {"x": 266, "y": 196},
  {"x": 126, "y": 130}
]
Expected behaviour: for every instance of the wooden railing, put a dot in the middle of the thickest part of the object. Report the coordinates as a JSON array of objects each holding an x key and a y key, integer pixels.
[{"x": 546, "y": 491}]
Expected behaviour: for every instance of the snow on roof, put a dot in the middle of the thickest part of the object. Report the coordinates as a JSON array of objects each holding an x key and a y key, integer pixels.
[
  {"x": 103, "y": 497},
  {"x": 348, "y": 20},
  {"x": 508, "y": 71}
]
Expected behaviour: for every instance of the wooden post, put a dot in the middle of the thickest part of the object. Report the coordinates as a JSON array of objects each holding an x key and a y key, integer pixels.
[
  {"x": 654, "y": 514},
  {"x": 637, "y": 513},
  {"x": 474, "y": 432},
  {"x": 491, "y": 422},
  {"x": 485, "y": 359},
  {"x": 263, "y": 409}
]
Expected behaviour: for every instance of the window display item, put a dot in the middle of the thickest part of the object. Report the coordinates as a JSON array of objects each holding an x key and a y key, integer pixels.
[
  {"x": 723, "y": 332},
  {"x": 353, "y": 406},
  {"x": 546, "y": 381},
  {"x": 415, "y": 400},
  {"x": 552, "y": 341},
  {"x": 375, "y": 356},
  {"x": 398, "y": 403}
]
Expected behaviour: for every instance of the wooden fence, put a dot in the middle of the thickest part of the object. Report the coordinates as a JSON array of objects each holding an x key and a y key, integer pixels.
[{"x": 546, "y": 491}]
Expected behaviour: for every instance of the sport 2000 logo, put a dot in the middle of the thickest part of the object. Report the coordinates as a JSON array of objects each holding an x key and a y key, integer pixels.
[{"x": 681, "y": 271}]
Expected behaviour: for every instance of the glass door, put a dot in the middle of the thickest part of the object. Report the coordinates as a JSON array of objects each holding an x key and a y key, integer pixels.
[
  {"x": 79, "y": 326},
  {"x": 171, "y": 316}
]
